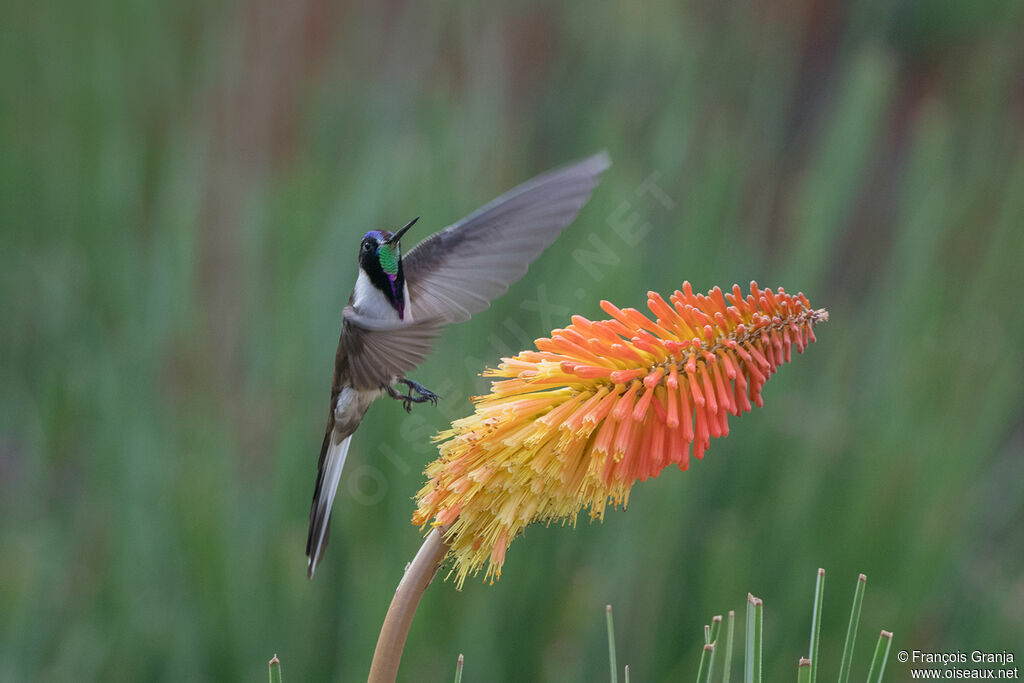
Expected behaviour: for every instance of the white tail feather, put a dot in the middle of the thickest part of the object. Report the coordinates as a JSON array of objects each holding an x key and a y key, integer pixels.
[{"x": 334, "y": 463}]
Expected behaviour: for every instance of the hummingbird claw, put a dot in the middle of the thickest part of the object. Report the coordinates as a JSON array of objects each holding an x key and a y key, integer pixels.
[
  {"x": 424, "y": 393},
  {"x": 407, "y": 400}
]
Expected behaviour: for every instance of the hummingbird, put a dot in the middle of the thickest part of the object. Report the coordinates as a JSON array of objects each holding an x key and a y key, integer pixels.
[{"x": 400, "y": 303}]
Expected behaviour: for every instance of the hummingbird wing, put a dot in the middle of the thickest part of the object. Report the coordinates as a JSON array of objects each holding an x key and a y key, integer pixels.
[
  {"x": 458, "y": 271},
  {"x": 377, "y": 350}
]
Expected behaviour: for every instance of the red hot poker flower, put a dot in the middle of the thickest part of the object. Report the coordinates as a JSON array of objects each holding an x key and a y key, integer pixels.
[{"x": 600, "y": 405}]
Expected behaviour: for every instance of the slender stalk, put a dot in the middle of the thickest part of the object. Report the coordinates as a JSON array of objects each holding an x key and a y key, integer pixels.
[
  {"x": 275, "y": 670},
  {"x": 611, "y": 644},
  {"x": 803, "y": 671},
  {"x": 881, "y": 654},
  {"x": 851, "y": 630},
  {"x": 819, "y": 596},
  {"x": 393, "y": 633},
  {"x": 704, "y": 672},
  {"x": 752, "y": 655},
  {"x": 716, "y": 627},
  {"x": 727, "y": 666},
  {"x": 627, "y": 673},
  {"x": 458, "y": 670}
]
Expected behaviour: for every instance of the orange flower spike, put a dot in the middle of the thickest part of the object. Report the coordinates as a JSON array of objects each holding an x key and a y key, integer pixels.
[
  {"x": 691, "y": 376},
  {"x": 699, "y": 316},
  {"x": 600, "y": 405},
  {"x": 723, "y": 423},
  {"x": 684, "y": 313},
  {"x": 625, "y": 405},
  {"x": 654, "y": 377},
  {"x": 641, "y": 462},
  {"x": 656, "y": 460},
  {"x": 575, "y": 421},
  {"x": 726, "y": 362},
  {"x": 699, "y": 447},
  {"x": 685, "y": 414},
  {"x": 709, "y": 391},
  {"x": 623, "y": 437},
  {"x": 642, "y": 322},
  {"x": 625, "y": 376},
  {"x": 688, "y": 294},
  {"x": 701, "y": 434},
  {"x": 649, "y": 347},
  {"x": 618, "y": 316},
  {"x": 601, "y": 330},
  {"x": 679, "y": 450},
  {"x": 714, "y": 424},
  {"x": 616, "y": 328},
  {"x": 601, "y": 410},
  {"x": 666, "y": 316},
  {"x": 561, "y": 344},
  {"x": 787, "y": 345},
  {"x": 603, "y": 441},
  {"x": 629, "y": 352},
  {"x": 591, "y": 372},
  {"x": 640, "y": 411},
  {"x": 724, "y": 397},
  {"x": 672, "y": 385}
]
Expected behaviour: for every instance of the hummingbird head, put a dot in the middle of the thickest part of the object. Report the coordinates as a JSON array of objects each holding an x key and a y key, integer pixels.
[{"x": 380, "y": 258}]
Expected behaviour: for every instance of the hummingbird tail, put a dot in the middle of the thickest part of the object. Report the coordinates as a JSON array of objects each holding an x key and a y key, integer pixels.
[{"x": 332, "y": 462}]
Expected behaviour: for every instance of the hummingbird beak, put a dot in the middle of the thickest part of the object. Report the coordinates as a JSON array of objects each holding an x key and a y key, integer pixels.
[{"x": 398, "y": 235}]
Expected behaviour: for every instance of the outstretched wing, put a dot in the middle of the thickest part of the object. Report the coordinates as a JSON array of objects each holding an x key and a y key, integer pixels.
[
  {"x": 458, "y": 271},
  {"x": 377, "y": 351}
]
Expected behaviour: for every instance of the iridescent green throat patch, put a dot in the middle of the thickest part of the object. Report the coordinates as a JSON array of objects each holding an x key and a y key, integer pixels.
[{"x": 388, "y": 256}]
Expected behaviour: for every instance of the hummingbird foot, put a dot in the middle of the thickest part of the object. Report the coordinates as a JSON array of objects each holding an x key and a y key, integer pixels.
[
  {"x": 425, "y": 394},
  {"x": 407, "y": 400}
]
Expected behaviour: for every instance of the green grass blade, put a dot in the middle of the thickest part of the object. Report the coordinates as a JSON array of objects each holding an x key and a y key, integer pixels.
[
  {"x": 851, "y": 630},
  {"x": 758, "y": 628},
  {"x": 458, "y": 669},
  {"x": 711, "y": 661},
  {"x": 727, "y": 665},
  {"x": 275, "y": 670},
  {"x": 716, "y": 627},
  {"x": 704, "y": 672},
  {"x": 881, "y": 655},
  {"x": 819, "y": 595},
  {"x": 752, "y": 654},
  {"x": 748, "y": 647},
  {"x": 803, "y": 671},
  {"x": 626, "y": 673},
  {"x": 611, "y": 645}
]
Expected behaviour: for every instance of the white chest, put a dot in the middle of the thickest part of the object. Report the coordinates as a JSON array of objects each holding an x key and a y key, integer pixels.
[{"x": 372, "y": 303}]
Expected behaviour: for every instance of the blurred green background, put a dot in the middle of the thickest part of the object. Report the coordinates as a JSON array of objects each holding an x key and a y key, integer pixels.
[{"x": 182, "y": 190}]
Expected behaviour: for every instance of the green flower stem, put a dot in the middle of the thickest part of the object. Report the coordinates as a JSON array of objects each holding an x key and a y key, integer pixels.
[
  {"x": 611, "y": 645},
  {"x": 752, "y": 667},
  {"x": 819, "y": 596},
  {"x": 851, "y": 630},
  {"x": 803, "y": 671},
  {"x": 706, "y": 655},
  {"x": 458, "y": 669},
  {"x": 727, "y": 665},
  {"x": 881, "y": 655}
]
